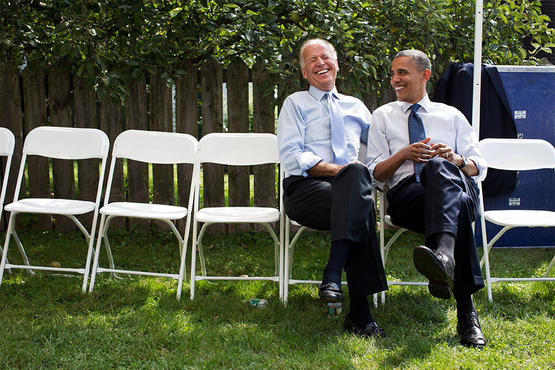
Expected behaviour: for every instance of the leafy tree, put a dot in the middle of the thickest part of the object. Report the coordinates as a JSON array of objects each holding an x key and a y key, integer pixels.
[{"x": 110, "y": 43}]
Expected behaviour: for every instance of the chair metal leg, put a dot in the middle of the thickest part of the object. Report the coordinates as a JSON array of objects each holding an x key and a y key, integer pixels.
[
  {"x": 200, "y": 249},
  {"x": 549, "y": 267},
  {"x": 101, "y": 234},
  {"x": 6, "y": 245},
  {"x": 22, "y": 251},
  {"x": 276, "y": 248}
]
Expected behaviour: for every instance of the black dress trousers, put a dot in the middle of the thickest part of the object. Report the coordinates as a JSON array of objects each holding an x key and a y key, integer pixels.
[
  {"x": 444, "y": 201},
  {"x": 342, "y": 204}
]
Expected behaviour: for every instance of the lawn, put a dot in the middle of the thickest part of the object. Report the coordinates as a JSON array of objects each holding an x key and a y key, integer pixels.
[{"x": 46, "y": 322}]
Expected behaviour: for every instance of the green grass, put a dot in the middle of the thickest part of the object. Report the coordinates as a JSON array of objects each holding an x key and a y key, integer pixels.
[{"x": 46, "y": 322}]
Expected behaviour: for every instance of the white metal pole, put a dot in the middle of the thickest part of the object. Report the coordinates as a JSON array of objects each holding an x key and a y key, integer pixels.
[{"x": 478, "y": 19}]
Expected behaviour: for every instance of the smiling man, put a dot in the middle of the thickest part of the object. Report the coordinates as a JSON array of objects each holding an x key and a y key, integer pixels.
[
  {"x": 326, "y": 188},
  {"x": 427, "y": 155}
]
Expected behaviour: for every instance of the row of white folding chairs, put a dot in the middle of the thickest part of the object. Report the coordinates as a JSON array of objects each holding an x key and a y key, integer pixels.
[
  {"x": 228, "y": 149},
  {"x": 149, "y": 147}
]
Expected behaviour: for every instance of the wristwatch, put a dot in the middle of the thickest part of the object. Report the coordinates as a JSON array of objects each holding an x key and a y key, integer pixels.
[{"x": 464, "y": 162}]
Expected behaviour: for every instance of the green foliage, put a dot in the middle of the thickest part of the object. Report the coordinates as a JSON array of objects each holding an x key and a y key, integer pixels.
[{"x": 111, "y": 42}]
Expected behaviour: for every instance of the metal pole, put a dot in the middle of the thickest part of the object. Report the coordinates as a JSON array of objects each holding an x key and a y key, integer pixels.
[{"x": 478, "y": 19}]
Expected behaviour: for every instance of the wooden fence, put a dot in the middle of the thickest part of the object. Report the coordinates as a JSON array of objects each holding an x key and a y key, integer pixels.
[{"x": 32, "y": 98}]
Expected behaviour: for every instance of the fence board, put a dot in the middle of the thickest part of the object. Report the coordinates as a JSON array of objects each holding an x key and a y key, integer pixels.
[
  {"x": 161, "y": 120},
  {"x": 111, "y": 122},
  {"x": 264, "y": 121},
  {"x": 238, "y": 121},
  {"x": 34, "y": 113},
  {"x": 186, "y": 111},
  {"x": 11, "y": 117},
  {"x": 86, "y": 116},
  {"x": 59, "y": 106},
  {"x": 212, "y": 112},
  {"x": 136, "y": 117}
]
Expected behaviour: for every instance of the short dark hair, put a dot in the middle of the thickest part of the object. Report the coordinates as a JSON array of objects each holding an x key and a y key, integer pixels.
[{"x": 419, "y": 58}]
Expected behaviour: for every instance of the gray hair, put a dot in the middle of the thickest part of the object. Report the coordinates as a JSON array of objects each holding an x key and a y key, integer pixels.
[
  {"x": 420, "y": 60},
  {"x": 326, "y": 44}
]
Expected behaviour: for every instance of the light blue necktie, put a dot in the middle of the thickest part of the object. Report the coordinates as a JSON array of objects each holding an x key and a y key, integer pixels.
[
  {"x": 416, "y": 134},
  {"x": 337, "y": 131}
]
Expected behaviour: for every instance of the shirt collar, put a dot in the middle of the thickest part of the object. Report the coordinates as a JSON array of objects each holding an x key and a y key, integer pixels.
[
  {"x": 319, "y": 94},
  {"x": 424, "y": 104}
]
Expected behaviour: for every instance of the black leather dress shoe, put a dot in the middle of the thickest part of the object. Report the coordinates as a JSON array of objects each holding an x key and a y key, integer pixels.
[
  {"x": 469, "y": 330},
  {"x": 438, "y": 268},
  {"x": 370, "y": 330},
  {"x": 330, "y": 293}
]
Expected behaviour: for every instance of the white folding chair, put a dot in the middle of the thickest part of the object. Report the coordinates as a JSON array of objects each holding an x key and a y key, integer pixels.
[
  {"x": 150, "y": 147},
  {"x": 58, "y": 143},
  {"x": 237, "y": 150},
  {"x": 515, "y": 155}
]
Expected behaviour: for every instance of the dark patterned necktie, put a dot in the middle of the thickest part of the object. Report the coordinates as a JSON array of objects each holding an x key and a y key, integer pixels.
[
  {"x": 416, "y": 134},
  {"x": 337, "y": 126}
]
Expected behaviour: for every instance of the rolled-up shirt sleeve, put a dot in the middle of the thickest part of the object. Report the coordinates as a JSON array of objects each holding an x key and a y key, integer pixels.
[
  {"x": 467, "y": 145},
  {"x": 378, "y": 147},
  {"x": 291, "y": 138}
]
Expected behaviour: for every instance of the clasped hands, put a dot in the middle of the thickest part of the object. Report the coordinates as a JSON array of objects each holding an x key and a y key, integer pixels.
[{"x": 425, "y": 150}]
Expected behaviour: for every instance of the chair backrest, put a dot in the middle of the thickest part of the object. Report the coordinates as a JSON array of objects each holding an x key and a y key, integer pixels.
[
  {"x": 7, "y": 144},
  {"x": 70, "y": 143},
  {"x": 518, "y": 154},
  {"x": 239, "y": 149},
  {"x": 66, "y": 143},
  {"x": 156, "y": 147}
]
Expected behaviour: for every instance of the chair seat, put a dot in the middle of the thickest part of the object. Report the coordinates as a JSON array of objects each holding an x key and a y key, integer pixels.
[
  {"x": 525, "y": 218},
  {"x": 238, "y": 214},
  {"x": 144, "y": 210},
  {"x": 51, "y": 206}
]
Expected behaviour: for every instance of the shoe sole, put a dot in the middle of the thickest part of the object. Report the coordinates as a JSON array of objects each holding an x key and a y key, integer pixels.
[
  {"x": 439, "y": 289},
  {"x": 332, "y": 299},
  {"x": 428, "y": 265}
]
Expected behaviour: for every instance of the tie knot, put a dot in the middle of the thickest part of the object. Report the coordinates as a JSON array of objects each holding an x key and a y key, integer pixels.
[{"x": 414, "y": 108}]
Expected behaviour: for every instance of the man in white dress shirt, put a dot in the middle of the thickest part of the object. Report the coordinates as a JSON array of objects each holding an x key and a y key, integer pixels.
[
  {"x": 426, "y": 156},
  {"x": 326, "y": 188}
]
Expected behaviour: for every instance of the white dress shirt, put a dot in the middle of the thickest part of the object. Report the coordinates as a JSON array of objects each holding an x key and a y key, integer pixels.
[
  {"x": 304, "y": 133},
  {"x": 389, "y": 133}
]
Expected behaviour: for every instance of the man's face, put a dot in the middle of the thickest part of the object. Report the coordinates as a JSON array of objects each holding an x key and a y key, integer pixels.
[
  {"x": 409, "y": 83},
  {"x": 319, "y": 68}
]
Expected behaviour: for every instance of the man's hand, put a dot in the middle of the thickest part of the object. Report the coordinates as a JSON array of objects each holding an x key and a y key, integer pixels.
[
  {"x": 444, "y": 151},
  {"x": 325, "y": 169},
  {"x": 417, "y": 152}
]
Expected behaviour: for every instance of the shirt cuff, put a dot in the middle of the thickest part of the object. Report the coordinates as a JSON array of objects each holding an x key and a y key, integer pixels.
[{"x": 307, "y": 160}]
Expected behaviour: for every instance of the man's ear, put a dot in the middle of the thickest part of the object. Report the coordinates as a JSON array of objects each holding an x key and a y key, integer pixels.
[
  {"x": 427, "y": 74},
  {"x": 304, "y": 73}
]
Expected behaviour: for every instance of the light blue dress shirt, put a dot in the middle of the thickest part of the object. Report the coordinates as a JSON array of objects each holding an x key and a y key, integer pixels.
[{"x": 304, "y": 132}]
